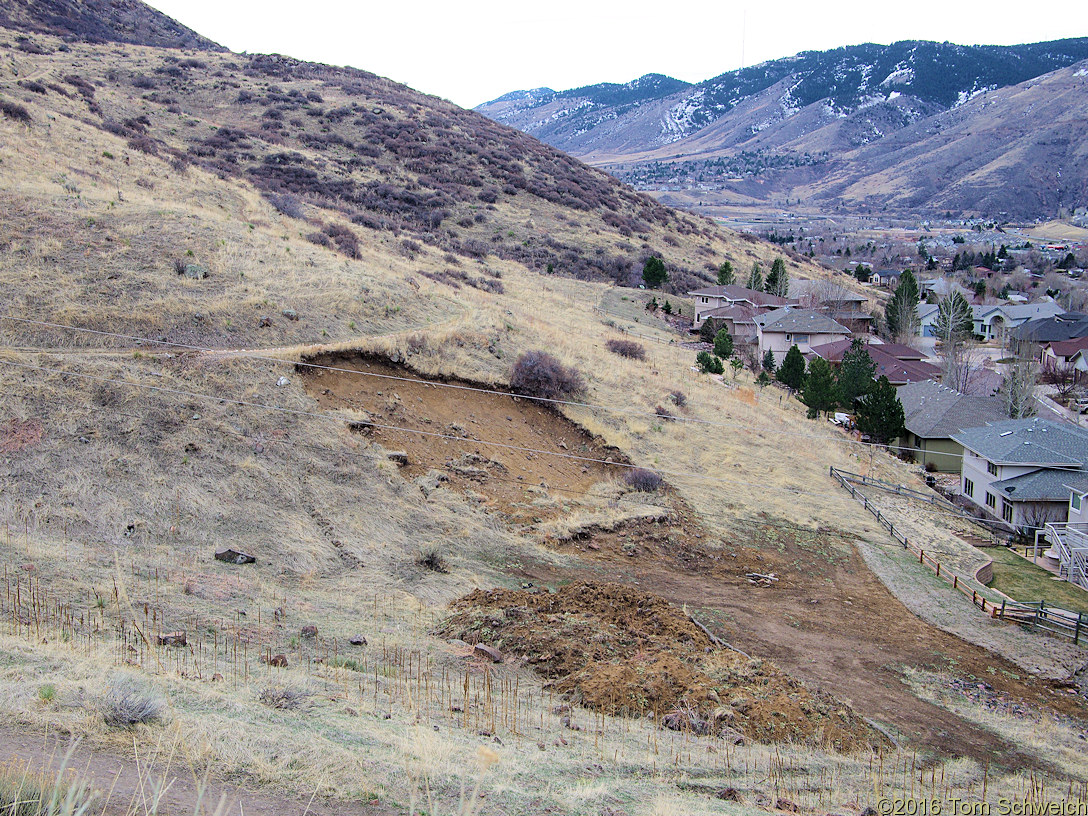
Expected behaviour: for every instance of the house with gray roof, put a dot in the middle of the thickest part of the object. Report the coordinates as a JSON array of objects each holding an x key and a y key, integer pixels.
[
  {"x": 778, "y": 330},
  {"x": 1068, "y": 326},
  {"x": 991, "y": 321},
  {"x": 1022, "y": 470},
  {"x": 932, "y": 413}
]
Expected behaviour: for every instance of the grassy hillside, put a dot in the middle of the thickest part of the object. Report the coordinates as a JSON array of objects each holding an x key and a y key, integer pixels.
[{"x": 164, "y": 316}]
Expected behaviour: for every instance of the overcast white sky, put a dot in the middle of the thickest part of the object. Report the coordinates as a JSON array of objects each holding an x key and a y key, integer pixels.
[{"x": 473, "y": 51}]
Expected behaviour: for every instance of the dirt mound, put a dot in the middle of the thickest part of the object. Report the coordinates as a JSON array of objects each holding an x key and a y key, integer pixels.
[{"x": 624, "y": 651}]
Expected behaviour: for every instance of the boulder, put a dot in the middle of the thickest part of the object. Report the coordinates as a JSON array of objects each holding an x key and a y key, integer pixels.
[
  {"x": 234, "y": 557},
  {"x": 490, "y": 652},
  {"x": 195, "y": 272},
  {"x": 171, "y": 639},
  {"x": 357, "y": 640},
  {"x": 290, "y": 314},
  {"x": 279, "y": 661},
  {"x": 400, "y": 457},
  {"x": 265, "y": 322},
  {"x": 308, "y": 631}
]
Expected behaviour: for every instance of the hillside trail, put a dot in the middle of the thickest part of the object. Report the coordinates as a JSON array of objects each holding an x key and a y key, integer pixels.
[{"x": 127, "y": 781}]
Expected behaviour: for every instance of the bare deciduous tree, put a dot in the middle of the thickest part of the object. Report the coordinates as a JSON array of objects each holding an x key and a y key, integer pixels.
[{"x": 1018, "y": 391}]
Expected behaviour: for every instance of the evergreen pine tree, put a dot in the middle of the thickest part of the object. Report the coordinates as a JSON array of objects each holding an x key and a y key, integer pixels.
[
  {"x": 855, "y": 374},
  {"x": 723, "y": 344},
  {"x": 755, "y": 278},
  {"x": 726, "y": 276},
  {"x": 654, "y": 273},
  {"x": 768, "y": 361},
  {"x": 819, "y": 392},
  {"x": 792, "y": 371},
  {"x": 879, "y": 413},
  {"x": 901, "y": 314},
  {"x": 778, "y": 281}
]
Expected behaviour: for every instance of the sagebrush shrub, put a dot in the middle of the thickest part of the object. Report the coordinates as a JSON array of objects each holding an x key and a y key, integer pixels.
[
  {"x": 129, "y": 701},
  {"x": 643, "y": 480},
  {"x": 15, "y": 111},
  {"x": 626, "y": 348},
  {"x": 539, "y": 374}
]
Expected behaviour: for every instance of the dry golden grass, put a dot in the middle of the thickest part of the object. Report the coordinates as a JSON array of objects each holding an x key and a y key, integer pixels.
[{"x": 147, "y": 464}]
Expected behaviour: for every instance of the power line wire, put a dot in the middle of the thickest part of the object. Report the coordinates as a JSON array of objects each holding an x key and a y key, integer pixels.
[
  {"x": 396, "y": 428},
  {"x": 477, "y": 389}
]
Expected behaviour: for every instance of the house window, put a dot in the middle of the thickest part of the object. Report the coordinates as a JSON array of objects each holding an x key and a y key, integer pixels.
[
  {"x": 1076, "y": 501},
  {"x": 706, "y": 300},
  {"x": 991, "y": 500},
  {"x": 798, "y": 339},
  {"x": 991, "y": 468},
  {"x": 1006, "y": 511},
  {"x": 968, "y": 488}
]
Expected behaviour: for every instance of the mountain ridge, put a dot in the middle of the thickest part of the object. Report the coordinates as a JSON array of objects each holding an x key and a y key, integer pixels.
[{"x": 804, "y": 110}]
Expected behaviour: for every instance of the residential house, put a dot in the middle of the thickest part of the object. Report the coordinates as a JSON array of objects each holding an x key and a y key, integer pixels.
[
  {"x": 717, "y": 297},
  {"x": 1019, "y": 470},
  {"x": 900, "y": 364},
  {"x": 843, "y": 305},
  {"x": 1058, "y": 354},
  {"x": 888, "y": 278},
  {"x": 991, "y": 321},
  {"x": 778, "y": 330},
  {"x": 739, "y": 321},
  {"x": 932, "y": 413},
  {"x": 1068, "y": 326}
]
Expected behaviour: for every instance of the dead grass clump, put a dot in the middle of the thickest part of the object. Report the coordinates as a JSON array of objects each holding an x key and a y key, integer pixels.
[
  {"x": 626, "y": 348},
  {"x": 539, "y": 374},
  {"x": 25, "y": 792},
  {"x": 284, "y": 698},
  {"x": 130, "y": 701},
  {"x": 643, "y": 480}
]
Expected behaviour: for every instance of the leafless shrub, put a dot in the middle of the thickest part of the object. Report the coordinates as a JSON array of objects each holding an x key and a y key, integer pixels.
[
  {"x": 36, "y": 87},
  {"x": 319, "y": 238},
  {"x": 15, "y": 111},
  {"x": 431, "y": 558},
  {"x": 626, "y": 348},
  {"x": 643, "y": 480},
  {"x": 664, "y": 414},
  {"x": 679, "y": 398},
  {"x": 539, "y": 374},
  {"x": 129, "y": 701},
  {"x": 284, "y": 698}
]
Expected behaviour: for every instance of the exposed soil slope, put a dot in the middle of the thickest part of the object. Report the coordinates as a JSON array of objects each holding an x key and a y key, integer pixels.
[
  {"x": 828, "y": 621},
  {"x": 540, "y": 461},
  {"x": 625, "y": 651}
]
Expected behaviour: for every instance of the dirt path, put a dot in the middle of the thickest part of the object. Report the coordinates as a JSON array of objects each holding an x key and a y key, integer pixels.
[
  {"x": 829, "y": 621},
  {"x": 126, "y": 783}
]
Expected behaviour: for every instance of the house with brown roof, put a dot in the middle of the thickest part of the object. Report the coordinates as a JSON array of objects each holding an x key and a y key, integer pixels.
[
  {"x": 900, "y": 364},
  {"x": 712, "y": 298},
  {"x": 1060, "y": 353}
]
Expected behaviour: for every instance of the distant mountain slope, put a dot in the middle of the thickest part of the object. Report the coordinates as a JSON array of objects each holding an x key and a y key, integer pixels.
[
  {"x": 802, "y": 112},
  {"x": 1018, "y": 151},
  {"x": 97, "y": 21}
]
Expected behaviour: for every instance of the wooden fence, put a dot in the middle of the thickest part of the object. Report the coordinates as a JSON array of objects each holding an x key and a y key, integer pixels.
[
  {"x": 1000, "y": 533},
  {"x": 1036, "y": 616}
]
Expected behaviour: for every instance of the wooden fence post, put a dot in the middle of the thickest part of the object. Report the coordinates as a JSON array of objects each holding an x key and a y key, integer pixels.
[{"x": 1076, "y": 631}]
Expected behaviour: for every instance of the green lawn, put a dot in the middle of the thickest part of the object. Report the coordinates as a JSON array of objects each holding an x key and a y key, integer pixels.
[{"x": 1022, "y": 580}]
